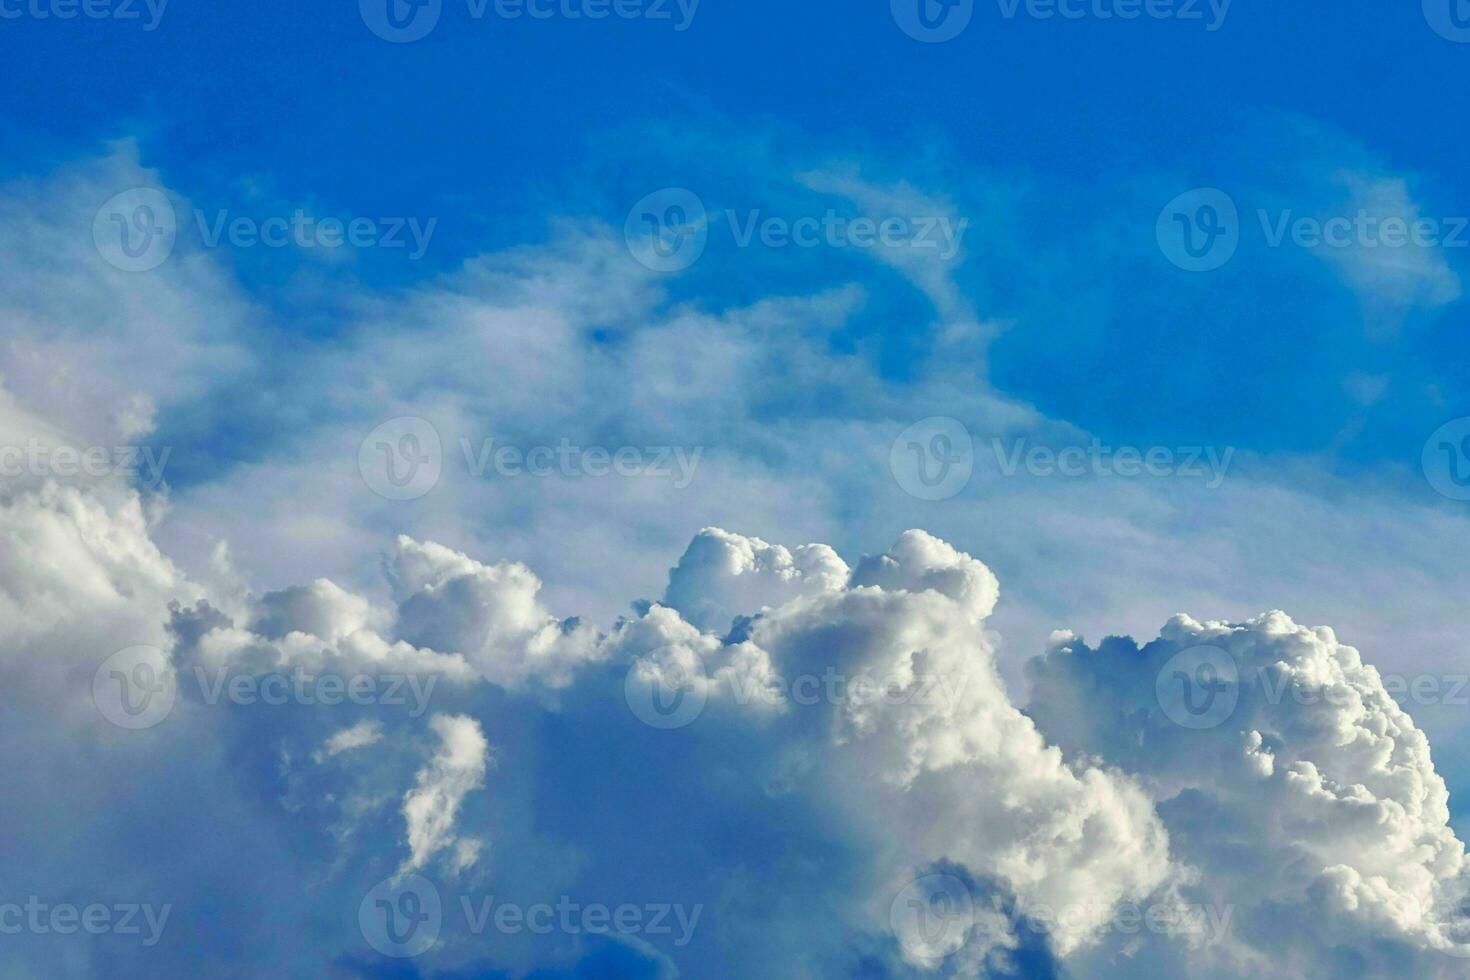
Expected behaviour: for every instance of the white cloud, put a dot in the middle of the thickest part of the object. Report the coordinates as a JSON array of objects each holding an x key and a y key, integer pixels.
[
  {"x": 1312, "y": 799},
  {"x": 431, "y": 807},
  {"x": 359, "y": 736}
]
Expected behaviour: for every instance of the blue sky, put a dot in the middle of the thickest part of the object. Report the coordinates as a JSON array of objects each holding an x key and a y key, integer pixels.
[
  {"x": 1160, "y": 235},
  {"x": 1060, "y": 135}
]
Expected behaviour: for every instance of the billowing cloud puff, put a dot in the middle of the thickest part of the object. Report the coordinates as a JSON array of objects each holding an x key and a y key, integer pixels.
[
  {"x": 887, "y": 703},
  {"x": 490, "y": 614},
  {"x": 1289, "y": 777},
  {"x": 722, "y": 575}
]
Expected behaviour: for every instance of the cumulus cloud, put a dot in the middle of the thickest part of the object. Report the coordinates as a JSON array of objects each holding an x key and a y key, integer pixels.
[
  {"x": 490, "y": 614},
  {"x": 914, "y": 728},
  {"x": 722, "y": 575},
  {"x": 864, "y": 699},
  {"x": 1288, "y": 776}
]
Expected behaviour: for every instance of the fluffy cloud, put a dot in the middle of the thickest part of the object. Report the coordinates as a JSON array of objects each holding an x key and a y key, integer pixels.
[
  {"x": 1288, "y": 775},
  {"x": 722, "y": 575},
  {"x": 448, "y": 601},
  {"x": 863, "y": 700}
]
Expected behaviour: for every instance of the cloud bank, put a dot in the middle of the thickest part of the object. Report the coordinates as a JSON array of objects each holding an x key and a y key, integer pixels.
[{"x": 851, "y": 715}]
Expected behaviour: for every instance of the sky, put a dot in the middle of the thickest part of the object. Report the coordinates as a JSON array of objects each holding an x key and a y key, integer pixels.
[{"x": 613, "y": 389}]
